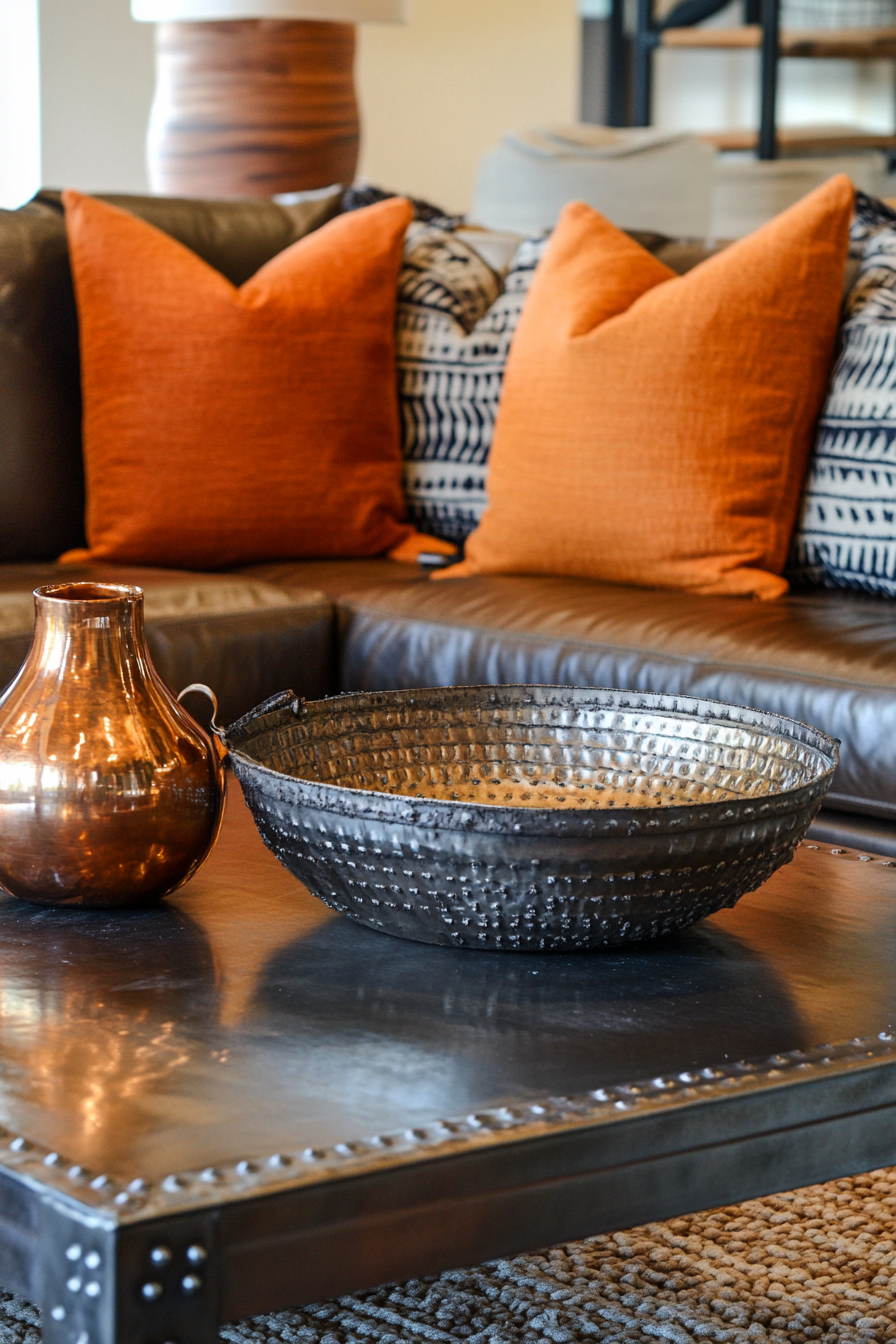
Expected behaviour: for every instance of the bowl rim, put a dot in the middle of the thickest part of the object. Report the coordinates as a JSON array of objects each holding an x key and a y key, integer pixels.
[{"x": 407, "y": 810}]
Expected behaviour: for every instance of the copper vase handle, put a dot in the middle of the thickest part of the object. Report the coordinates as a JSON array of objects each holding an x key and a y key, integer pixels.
[{"x": 205, "y": 690}]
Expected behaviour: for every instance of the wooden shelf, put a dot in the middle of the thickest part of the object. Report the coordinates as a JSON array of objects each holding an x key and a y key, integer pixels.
[
  {"x": 818, "y": 44},
  {"x": 809, "y": 139}
]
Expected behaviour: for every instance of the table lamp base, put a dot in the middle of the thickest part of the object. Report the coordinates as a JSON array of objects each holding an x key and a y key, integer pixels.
[{"x": 253, "y": 107}]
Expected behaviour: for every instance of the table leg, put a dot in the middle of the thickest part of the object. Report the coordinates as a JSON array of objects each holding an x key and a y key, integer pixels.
[
  {"x": 768, "y": 134},
  {"x": 144, "y": 1283},
  {"x": 617, "y": 61},
  {"x": 75, "y": 1276}
]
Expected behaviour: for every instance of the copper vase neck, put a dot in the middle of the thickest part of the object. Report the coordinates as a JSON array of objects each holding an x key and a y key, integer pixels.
[
  {"x": 88, "y": 594},
  {"x": 80, "y": 622},
  {"x": 76, "y": 602}
]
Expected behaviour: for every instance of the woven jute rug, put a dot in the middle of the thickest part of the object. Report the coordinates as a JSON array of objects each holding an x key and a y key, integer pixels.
[{"x": 818, "y": 1263}]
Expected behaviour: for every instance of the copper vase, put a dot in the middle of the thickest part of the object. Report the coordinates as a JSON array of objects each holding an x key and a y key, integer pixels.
[{"x": 110, "y": 793}]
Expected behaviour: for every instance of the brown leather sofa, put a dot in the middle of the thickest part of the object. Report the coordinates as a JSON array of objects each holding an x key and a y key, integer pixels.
[{"x": 324, "y": 626}]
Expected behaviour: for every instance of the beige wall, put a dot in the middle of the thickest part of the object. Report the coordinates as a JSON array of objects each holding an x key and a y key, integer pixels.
[
  {"x": 437, "y": 93},
  {"x": 97, "y": 75},
  {"x": 434, "y": 93}
]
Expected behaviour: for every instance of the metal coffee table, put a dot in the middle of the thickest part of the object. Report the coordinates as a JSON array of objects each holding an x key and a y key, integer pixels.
[{"x": 240, "y": 1101}]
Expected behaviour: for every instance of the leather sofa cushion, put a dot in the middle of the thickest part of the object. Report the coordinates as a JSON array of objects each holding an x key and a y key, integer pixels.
[
  {"x": 244, "y": 638},
  {"x": 41, "y": 474},
  {"x": 337, "y": 578},
  {"x": 828, "y": 659}
]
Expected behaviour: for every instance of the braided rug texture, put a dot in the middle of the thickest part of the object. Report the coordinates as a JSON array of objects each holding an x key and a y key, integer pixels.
[{"x": 812, "y": 1264}]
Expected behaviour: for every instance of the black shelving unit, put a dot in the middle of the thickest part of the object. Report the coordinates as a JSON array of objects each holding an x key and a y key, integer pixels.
[{"x": 630, "y": 60}]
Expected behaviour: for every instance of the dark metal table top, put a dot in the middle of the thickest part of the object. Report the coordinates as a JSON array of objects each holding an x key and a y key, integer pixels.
[{"x": 242, "y": 1042}]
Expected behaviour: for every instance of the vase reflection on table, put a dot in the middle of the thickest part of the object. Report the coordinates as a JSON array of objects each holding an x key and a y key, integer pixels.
[{"x": 110, "y": 792}]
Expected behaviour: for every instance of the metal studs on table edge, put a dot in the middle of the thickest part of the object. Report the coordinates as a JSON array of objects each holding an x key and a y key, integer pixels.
[
  {"x": 191, "y": 1283},
  {"x": 554, "y": 1109},
  {"x": 197, "y": 1254},
  {"x": 151, "y": 1291},
  {"x": 160, "y": 1255},
  {"x": 841, "y": 852},
  {"x": 620, "y": 1098}
]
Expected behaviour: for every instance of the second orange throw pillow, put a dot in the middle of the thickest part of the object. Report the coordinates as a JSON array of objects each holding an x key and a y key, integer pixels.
[
  {"x": 223, "y": 425},
  {"x": 653, "y": 429}
]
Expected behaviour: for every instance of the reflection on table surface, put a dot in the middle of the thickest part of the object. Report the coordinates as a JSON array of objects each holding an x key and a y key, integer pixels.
[{"x": 242, "y": 1017}]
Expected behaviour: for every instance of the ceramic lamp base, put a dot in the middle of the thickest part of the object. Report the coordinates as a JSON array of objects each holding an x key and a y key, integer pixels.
[{"x": 253, "y": 107}]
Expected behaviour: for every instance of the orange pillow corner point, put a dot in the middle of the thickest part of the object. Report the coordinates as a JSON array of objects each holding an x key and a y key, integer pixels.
[
  {"x": 80, "y": 555},
  {"x": 415, "y": 544},
  {"x": 744, "y": 581},
  {"x": 458, "y": 571}
]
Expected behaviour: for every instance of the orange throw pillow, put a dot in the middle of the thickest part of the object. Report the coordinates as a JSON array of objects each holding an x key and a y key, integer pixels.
[
  {"x": 224, "y": 426},
  {"x": 653, "y": 429}
]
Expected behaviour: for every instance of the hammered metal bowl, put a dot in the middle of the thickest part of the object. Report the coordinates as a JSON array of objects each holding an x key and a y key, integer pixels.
[{"x": 528, "y": 818}]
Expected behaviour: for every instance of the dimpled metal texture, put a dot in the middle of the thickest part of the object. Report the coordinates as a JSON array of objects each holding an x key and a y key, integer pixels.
[{"x": 528, "y": 818}]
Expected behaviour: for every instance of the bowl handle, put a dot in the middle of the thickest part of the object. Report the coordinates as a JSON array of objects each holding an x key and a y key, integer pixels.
[{"x": 275, "y": 704}]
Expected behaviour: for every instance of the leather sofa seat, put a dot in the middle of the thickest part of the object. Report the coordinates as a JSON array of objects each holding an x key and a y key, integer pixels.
[
  {"x": 244, "y": 638},
  {"x": 825, "y": 658}
]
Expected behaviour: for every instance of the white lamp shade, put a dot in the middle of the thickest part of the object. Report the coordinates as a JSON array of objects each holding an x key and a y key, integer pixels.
[{"x": 335, "y": 11}]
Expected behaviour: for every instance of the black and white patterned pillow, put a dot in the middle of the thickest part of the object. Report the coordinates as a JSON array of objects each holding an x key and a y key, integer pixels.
[
  {"x": 455, "y": 322},
  {"x": 846, "y": 535}
]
